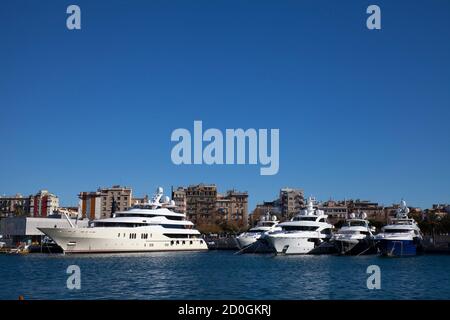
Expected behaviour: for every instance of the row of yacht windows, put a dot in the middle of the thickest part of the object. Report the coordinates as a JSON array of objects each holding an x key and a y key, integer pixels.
[
  {"x": 134, "y": 235},
  {"x": 308, "y": 219},
  {"x": 300, "y": 228},
  {"x": 399, "y": 231},
  {"x": 176, "y": 218},
  {"x": 135, "y": 225},
  {"x": 306, "y": 228},
  {"x": 119, "y": 224},
  {"x": 173, "y": 242}
]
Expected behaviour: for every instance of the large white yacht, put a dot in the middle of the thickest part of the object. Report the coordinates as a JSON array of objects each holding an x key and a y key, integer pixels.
[
  {"x": 402, "y": 237},
  {"x": 145, "y": 227},
  {"x": 355, "y": 237},
  {"x": 303, "y": 233},
  {"x": 250, "y": 239}
]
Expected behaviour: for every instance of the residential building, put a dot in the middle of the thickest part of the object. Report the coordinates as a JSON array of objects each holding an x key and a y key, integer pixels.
[
  {"x": 292, "y": 201},
  {"x": 90, "y": 205},
  {"x": 179, "y": 196},
  {"x": 233, "y": 207},
  {"x": 43, "y": 204},
  {"x": 104, "y": 202},
  {"x": 373, "y": 210},
  {"x": 114, "y": 199},
  {"x": 336, "y": 210},
  {"x": 201, "y": 202},
  {"x": 441, "y": 209},
  {"x": 14, "y": 205}
]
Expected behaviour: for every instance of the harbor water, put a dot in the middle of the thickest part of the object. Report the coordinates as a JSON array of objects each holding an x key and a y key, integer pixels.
[{"x": 222, "y": 275}]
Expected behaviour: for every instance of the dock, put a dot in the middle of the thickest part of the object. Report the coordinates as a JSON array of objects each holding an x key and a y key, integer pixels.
[
  {"x": 438, "y": 244},
  {"x": 221, "y": 243}
]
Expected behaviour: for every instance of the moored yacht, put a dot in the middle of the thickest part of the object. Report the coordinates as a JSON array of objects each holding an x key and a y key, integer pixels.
[
  {"x": 254, "y": 240},
  {"x": 303, "y": 234},
  {"x": 355, "y": 237},
  {"x": 144, "y": 227},
  {"x": 402, "y": 237}
]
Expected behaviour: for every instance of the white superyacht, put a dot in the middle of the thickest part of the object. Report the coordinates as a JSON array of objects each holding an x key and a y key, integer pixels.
[
  {"x": 254, "y": 240},
  {"x": 145, "y": 227},
  {"x": 303, "y": 233},
  {"x": 355, "y": 237},
  {"x": 266, "y": 224}
]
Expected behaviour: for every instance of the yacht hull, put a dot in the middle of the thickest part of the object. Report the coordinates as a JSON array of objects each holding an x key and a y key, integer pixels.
[
  {"x": 398, "y": 248},
  {"x": 105, "y": 240},
  {"x": 355, "y": 247},
  {"x": 244, "y": 242},
  {"x": 259, "y": 246},
  {"x": 286, "y": 245}
]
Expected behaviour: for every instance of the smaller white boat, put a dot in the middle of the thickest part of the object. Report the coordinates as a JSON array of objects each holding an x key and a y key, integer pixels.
[
  {"x": 266, "y": 224},
  {"x": 304, "y": 234},
  {"x": 355, "y": 237}
]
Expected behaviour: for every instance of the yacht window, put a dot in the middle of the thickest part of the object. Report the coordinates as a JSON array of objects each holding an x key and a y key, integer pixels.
[
  {"x": 118, "y": 224},
  {"x": 326, "y": 231},
  {"x": 184, "y": 242},
  {"x": 322, "y": 220},
  {"x": 173, "y": 226},
  {"x": 397, "y": 230},
  {"x": 300, "y": 228},
  {"x": 172, "y": 242},
  {"x": 176, "y": 218},
  {"x": 357, "y": 223},
  {"x": 176, "y": 235},
  {"x": 305, "y": 218},
  {"x": 191, "y": 242}
]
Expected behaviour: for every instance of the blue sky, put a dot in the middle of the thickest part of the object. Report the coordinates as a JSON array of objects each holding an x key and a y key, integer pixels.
[{"x": 362, "y": 114}]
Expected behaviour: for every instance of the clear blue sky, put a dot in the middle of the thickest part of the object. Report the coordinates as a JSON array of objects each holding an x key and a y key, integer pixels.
[{"x": 362, "y": 114}]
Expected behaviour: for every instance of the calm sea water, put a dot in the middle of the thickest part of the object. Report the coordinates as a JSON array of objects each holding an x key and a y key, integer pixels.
[{"x": 222, "y": 275}]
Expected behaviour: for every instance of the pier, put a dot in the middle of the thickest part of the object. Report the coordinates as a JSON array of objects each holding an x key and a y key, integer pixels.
[{"x": 439, "y": 244}]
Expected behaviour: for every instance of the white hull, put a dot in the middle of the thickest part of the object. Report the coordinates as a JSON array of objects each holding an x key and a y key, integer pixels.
[
  {"x": 291, "y": 245},
  {"x": 103, "y": 240},
  {"x": 244, "y": 241}
]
